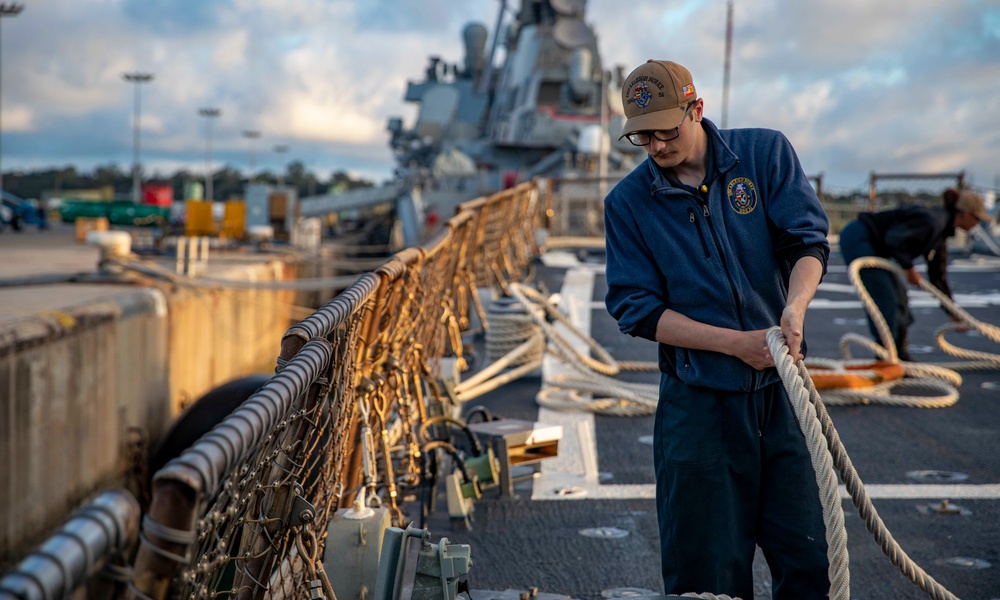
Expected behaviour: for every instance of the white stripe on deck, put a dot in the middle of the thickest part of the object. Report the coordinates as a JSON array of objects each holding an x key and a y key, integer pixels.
[
  {"x": 874, "y": 491},
  {"x": 958, "y": 265},
  {"x": 573, "y": 474},
  {"x": 575, "y": 467},
  {"x": 917, "y": 298}
]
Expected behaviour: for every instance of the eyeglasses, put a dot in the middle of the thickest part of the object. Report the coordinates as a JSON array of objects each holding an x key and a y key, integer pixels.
[{"x": 643, "y": 138}]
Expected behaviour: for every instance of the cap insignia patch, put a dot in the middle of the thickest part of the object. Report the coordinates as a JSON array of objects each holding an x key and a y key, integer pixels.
[
  {"x": 641, "y": 95},
  {"x": 688, "y": 90}
]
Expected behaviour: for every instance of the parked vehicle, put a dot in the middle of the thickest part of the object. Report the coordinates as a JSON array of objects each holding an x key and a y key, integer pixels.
[
  {"x": 22, "y": 212},
  {"x": 6, "y": 216}
]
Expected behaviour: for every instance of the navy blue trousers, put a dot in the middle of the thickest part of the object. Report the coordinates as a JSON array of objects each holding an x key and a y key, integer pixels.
[
  {"x": 887, "y": 290},
  {"x": 733, "y": 471}
]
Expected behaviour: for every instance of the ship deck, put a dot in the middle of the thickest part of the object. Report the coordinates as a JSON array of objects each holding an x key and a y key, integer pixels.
[
  {"x": 537, "y": 539},
  {"x": 534, "y": 542}
]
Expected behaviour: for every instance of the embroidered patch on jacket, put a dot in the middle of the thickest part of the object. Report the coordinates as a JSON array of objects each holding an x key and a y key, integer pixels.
[{"x": 742, "y": 195}]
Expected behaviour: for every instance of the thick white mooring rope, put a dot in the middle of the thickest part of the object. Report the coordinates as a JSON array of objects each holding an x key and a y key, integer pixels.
[
  {"x": 822, "y": 463},
  {"x": 982, "y": 360},
  {"x": 517, "y": 339},
  {"x": 631, "y": 399},
  {"x": 593, "y": 376},
  {"x": 812, "y": 415}
]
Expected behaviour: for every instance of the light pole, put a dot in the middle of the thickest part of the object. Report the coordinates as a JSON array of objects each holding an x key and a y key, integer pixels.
[
  {"x": 252, "y": 135},
  {"x": 281, "y": 149},
  {"x": 7, "y": 10},
  {"x": 209, "y": 114},
  {"x": 138, "y": 79}
]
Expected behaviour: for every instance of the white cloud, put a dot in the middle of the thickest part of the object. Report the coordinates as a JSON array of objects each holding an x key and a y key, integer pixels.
[
  {"x": 864, "y": 77},
  {"x": 230, "y": 51},
  {"x": 857, "y": 85},
  {"x": 18, "y": 118}
]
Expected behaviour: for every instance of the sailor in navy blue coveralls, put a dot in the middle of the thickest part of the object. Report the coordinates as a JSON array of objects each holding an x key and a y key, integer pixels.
[{"x": 712, "y": 240}]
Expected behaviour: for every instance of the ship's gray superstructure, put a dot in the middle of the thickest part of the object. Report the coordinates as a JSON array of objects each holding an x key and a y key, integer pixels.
[{"x": 532, "y": 101}]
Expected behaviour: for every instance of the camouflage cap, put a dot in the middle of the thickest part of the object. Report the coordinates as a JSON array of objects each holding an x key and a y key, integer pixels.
[{"x": 655, "y": 95}]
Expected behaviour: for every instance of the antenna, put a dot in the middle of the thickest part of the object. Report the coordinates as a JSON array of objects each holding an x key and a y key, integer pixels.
[{"x": 487, "y": 76}]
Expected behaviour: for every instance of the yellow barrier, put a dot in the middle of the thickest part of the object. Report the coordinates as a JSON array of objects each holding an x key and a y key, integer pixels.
[
  {"x": 85, "y": 225},
  {"x": 234, "y": 219},
  {"x": 199, "y": 219}
]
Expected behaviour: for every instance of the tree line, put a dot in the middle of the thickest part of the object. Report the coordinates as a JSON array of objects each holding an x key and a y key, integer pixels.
[{"x": 227, "y": 182}]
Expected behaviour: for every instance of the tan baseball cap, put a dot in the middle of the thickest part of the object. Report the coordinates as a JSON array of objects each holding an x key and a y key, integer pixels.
[
  {"x": 972, "y": 203},
  {"x": 655, "y": 95}
]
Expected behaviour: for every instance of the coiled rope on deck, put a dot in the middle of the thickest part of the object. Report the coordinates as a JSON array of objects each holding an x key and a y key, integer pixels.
[
  {"x": 521, "y": 333},
  {"x": 940, "y": 381},
  {"x": 812, "y": 415},
  {"x": 590, "y": 375}
]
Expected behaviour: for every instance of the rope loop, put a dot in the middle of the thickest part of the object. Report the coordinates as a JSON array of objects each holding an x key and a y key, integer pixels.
[{"x": 922, "y": 385}]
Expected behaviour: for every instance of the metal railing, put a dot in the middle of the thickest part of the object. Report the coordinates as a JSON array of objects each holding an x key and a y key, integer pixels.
[
  {"x": 96, "y": 539},
  {"x": 242, "y": 512},
  {"x": 575, "y": 206}
]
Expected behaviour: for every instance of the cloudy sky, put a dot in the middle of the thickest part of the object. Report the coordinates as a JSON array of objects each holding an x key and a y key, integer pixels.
[{"x": 857, "y": 85}]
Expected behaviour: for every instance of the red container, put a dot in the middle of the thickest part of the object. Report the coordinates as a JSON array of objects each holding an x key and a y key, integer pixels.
[{"x": 158, "y": 194}]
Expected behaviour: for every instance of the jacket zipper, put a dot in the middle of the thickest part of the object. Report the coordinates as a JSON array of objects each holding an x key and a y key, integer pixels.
[
  {"x": 754, "y": 375},
  {"x": 725, "y": 266},
  {"x": 701, "y": 235}
]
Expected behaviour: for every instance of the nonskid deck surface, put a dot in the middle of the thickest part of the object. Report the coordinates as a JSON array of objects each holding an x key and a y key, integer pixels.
[
  {"x": 537, "y": 540},
  {"x": 523, "y": 543}
]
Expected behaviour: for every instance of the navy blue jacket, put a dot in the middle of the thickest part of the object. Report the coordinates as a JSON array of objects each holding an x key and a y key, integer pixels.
[{"x": 721, "y": 257}]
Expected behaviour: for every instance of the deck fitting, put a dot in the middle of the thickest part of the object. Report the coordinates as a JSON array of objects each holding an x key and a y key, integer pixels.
[
  {"x": 936, "y": 476},
  {"x": 604, "y": 532},
  {"x": 629, "y": 592},
  {"x": 965, "y": 563}
]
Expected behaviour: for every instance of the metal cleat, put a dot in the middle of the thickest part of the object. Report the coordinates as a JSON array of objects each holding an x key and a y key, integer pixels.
[{"x": 518, "y": 443}]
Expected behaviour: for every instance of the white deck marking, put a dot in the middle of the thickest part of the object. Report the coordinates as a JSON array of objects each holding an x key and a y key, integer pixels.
[
  {"x": 875, "y": 491},
  {"x": 576, "y": 464},
  {"x": 963, "y": 300},
  {"x": 917, "y": 298},
  {"x": 958, "y": 265},
  {"x": 573, "y": 474}
]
